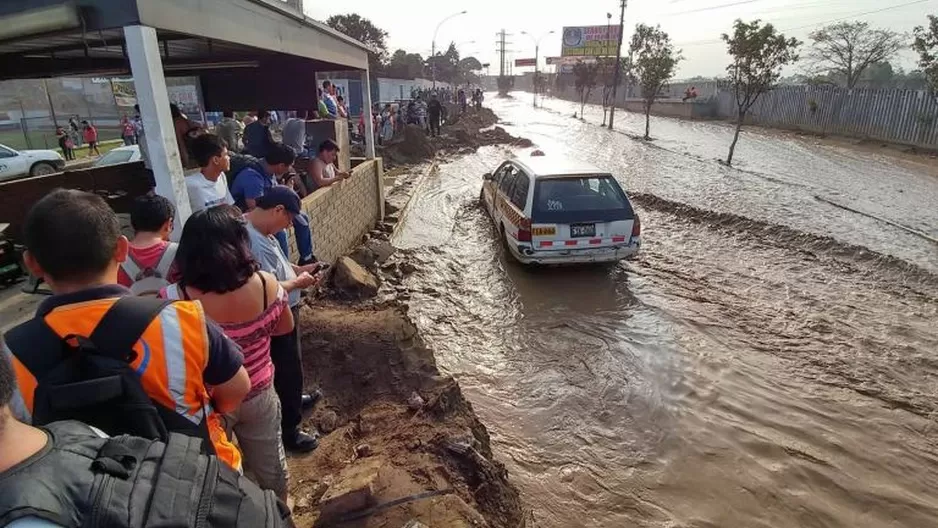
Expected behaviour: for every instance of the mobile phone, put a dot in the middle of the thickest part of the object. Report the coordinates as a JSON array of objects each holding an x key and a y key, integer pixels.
[{"x": 322, "y": 267}]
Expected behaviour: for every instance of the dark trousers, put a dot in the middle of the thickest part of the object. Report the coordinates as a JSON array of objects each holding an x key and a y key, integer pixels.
[
  {"x": 304, "y": 240},
  {"x": 435, "y": 125},
  {"x": 288, "y": 375}
]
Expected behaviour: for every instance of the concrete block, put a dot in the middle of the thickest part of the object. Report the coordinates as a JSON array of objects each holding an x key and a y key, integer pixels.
[{"x": 351, "y": 491}]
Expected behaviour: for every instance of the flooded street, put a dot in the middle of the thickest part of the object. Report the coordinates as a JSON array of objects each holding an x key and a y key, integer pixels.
[{"x": 770, "y": 359}]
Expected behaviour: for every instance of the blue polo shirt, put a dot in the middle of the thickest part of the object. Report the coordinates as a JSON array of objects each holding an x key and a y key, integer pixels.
[{"x": 249, "y": 184}]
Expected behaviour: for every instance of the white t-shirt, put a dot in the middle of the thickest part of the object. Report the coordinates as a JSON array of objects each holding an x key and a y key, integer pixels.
[{"x": 204, "y": 193}]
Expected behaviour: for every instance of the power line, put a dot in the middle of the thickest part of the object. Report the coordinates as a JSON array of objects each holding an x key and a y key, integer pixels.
[
  {"x": 854, "y": 15},
  {"x": 711, "y": 8}
]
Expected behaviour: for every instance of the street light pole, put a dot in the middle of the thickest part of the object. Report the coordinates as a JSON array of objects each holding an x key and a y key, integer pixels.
[
  {"x": 537, "y": 47},
  {"x": 433, "y": 45},
  {"x": 605, "y": 74},
  {"x": 615, "y": 79}
]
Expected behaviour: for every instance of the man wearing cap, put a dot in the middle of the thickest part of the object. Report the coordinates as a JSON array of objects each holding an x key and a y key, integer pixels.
[
  {"x": 322, "y": 168},
  {"x": 274, "y": 211}
]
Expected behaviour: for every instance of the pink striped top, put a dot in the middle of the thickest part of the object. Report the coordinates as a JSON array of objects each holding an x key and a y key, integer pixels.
[{"x": 252, "y": 336}]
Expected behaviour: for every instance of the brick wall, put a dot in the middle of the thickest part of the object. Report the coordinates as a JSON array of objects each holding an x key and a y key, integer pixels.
[{"x": 340, "y": 214}]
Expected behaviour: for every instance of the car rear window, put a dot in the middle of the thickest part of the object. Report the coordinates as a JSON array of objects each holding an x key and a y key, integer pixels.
[
  {"x": 580, "y": 199},
  {"x": 114, "y": 157}
]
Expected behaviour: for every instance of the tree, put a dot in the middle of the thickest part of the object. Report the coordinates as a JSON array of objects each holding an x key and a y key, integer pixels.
[
  {"x": 926, "y": 45},
  {"x": 849, "y": 48},
  {"x": 655, "y": 60},
  {"x": 584, "y": 79},
  {"x": 465, "y": 70},
  {"x": 606, "y": 75},
  {"x": 405, "y": 65},
  {"x": 363, "y": 30},
  {"x": 446, "y": 64},
  {"x": 759, "y": 52}
]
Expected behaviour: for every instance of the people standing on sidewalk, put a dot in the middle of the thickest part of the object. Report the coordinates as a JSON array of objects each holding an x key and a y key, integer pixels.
[
  {"x": 209, "y": 187},
  {"x": 275, "y": 212},
  {"x": 231, "y": 130},
  {"x": 217, "y": 269},
  {"x": 74, "y": 243},
  {"x": 128, "y": 133},
  {"x": 435, "y": 112},
  {"x": 65, "y": 143},
  {"x": 75, "y": 131},
  {"x": 257, "y": 136},
  {"x": 90, "y": 134},
  {"x": 150, "y": 263}
]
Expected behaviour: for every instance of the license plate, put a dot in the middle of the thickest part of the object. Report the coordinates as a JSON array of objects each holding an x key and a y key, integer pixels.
[
  {"x": 582, "y": 230},
  {"x": 544, "y": 231}
]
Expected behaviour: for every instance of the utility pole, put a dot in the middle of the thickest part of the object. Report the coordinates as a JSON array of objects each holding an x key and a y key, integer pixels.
[
  {"x": 502, "y": 49},
  {"x": 615, "y": 79}
]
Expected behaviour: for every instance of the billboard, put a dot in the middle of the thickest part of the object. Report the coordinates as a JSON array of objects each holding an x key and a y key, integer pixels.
[
  {"x": 521, "y": 63},
  {"x": 590, "y": 41}
]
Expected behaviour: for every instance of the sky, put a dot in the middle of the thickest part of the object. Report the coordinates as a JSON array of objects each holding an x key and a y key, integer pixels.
[{"x": 694, "y": 25}]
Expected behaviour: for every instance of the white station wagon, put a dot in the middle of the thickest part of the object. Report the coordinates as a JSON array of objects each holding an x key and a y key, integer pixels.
[{"x": 551, "y": 210}]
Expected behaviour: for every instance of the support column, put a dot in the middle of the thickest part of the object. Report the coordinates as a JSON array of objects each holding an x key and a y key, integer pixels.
[
  {"x": 147, "y": 69},
  {"x": 369, "y": 122}
]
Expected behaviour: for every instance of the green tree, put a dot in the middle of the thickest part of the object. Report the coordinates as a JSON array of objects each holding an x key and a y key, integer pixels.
[
  {"x": 405, "y": 65},
  {"x": 363, "y": 30},
  {"x": 446, "y": 64},
  {"x": 758, "y": 54},
  {"x": 585, "y": 75},
  {"x": 849, "y": 48},
  {"x": 926, "y": 45},
  {"x": 655, "y": 60}
]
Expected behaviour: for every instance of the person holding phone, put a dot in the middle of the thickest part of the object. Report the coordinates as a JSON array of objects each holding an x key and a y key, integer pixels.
[{"x": 274, "y": 211}]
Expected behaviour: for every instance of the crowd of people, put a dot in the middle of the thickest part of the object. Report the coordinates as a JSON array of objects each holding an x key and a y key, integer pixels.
[
  {"x": 427, "y": 109},
  {"x": 205, "y": 331}
]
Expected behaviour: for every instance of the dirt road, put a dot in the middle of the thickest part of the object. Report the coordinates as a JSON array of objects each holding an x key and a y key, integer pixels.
[{"x": 770, "y": 360}]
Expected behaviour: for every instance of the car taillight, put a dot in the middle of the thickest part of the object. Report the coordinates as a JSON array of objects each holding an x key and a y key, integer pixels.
[
  {"x": 636, "y": 226},
  {"x": 524, "y": 235}
]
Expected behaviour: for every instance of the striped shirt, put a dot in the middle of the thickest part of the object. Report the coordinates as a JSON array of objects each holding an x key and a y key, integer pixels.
[{"x": 253, "y": 337}]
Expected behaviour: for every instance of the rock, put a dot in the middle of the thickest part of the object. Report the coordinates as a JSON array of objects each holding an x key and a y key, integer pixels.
[
  {"x": 364, "y": 256},
  {"x": 414, "y": 523},
  {"x": 363, "y": 450},
  {"x": 382, "y": 249},
  {"x": 390, "y": 208},
  {"x": 353, "y": 490},
  {"x": 328, "y": 422},
  {"x": 353, "y": 280},
  {"x": 415, "y": 402},
  {"x": 408, "y": 268},
  {"x": 391, "y": 219},
  {"x": 302, "y": 502}
]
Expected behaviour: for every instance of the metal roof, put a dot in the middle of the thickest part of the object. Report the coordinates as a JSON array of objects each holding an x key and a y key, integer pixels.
[
  {"x": 553, "y": 166},
  {"x": 192, "y": 34}
]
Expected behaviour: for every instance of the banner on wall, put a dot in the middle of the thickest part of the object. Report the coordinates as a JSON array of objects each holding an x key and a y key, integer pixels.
[{"x": 590, "y": 41}]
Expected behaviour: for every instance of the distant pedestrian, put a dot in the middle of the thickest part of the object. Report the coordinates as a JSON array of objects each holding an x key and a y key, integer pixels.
[
  {"x": 462, "y": 101},
  {"x": 128, "y": 133},
  {"x": 435, "y": 112},
  {"x": 328, "y": 98},
  {"x": 65, "y": 143},
  {"x": 90, "y": 133},
  {"x": 257, "y": 137},
  {"x": 343, "y": 109},
  {"x": 75, "y": 131},
  {"x": 231, "y": 130}
]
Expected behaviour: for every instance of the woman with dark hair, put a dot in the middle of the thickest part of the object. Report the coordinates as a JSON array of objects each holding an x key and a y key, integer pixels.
[{"x": 218, "y": 269}]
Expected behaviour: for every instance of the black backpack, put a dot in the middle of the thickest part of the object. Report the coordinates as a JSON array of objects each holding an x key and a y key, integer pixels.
[
  {"x": 90, "y": 379},
  {"x": 239, "y": 162},
  {"x": 130, "y": 482}
]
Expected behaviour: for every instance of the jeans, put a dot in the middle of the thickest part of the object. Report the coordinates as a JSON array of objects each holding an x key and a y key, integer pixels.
[
  {"x": 288, "y": 375},
  {"x": 304, "y": 240}
]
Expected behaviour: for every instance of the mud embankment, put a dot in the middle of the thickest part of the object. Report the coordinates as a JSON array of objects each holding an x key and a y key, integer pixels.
[{"x": 395, "y": 422}]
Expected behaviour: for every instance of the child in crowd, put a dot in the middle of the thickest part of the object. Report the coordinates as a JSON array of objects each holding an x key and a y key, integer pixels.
[{"x": 150, "y": 260}]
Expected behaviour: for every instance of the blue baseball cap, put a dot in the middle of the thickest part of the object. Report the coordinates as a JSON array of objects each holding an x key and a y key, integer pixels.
[{"x": 285, "y": 196}]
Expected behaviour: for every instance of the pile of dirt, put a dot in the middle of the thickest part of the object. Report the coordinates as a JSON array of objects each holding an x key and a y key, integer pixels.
[
  {"x": 412, "y": 146},
  {"x": 462, "y": 134},
  {"x": 403, "y": 438}
]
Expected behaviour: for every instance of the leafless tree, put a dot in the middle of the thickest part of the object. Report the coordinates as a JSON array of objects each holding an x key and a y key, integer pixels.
[{"x": 849, "y": 48}]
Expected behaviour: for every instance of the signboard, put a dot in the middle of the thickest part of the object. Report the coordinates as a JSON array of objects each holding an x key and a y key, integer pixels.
[
  {"x": 590, "y": 41},
  {"x": 520, "y": 63},
  {"x": 568, "y": 61}
]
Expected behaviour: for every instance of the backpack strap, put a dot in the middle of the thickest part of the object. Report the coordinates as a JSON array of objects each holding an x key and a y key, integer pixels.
[
  {"x": 132, "y": 268},
  {"x": 123, "y": 324},
  {"x": 166, "y": 260},
  {"x": 25, "y": 340}
]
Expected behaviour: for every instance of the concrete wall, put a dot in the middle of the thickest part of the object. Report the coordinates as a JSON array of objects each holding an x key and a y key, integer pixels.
[{"x": 341, "y": 214}]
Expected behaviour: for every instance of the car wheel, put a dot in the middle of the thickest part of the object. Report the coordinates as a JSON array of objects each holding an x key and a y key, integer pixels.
[{"x": 42, "y": 169}]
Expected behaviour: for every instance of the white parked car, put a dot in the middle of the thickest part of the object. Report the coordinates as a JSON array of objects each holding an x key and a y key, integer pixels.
[
  {"x": 15, "y": 163},
  {"x": 551, "y": 210},
  {"x": 125, "y": 154}
]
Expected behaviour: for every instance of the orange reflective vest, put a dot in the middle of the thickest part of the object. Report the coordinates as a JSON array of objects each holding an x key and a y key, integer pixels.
[{"x": 171, "y": 355}]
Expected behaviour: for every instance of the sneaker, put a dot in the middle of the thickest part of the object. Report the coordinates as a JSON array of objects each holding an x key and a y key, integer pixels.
[
  {"x": 308, "y": 401},
  {"x": 301, "y": 441}
]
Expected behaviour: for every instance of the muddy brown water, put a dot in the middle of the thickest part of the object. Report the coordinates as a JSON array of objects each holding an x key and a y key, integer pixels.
[{"x": 769, "y": 360}]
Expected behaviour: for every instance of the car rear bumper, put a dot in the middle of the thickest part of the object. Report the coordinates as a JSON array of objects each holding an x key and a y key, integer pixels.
[{"x": 527, "y": 255}]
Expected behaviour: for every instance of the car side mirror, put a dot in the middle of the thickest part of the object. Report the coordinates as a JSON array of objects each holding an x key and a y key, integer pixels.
[{"x": 487, "y": 176}]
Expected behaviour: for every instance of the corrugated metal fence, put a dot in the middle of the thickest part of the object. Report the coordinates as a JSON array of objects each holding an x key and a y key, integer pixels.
[{"x": 897, "y": 116}]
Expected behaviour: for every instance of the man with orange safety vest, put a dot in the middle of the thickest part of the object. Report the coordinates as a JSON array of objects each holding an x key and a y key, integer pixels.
[{"x": 74, "y": 243}]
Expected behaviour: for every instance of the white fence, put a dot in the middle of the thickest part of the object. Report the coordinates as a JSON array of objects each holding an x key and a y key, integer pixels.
[{"x": 897, "y": 116}]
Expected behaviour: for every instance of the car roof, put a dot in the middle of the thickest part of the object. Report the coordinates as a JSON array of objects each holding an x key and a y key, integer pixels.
[
  {"x": 125, "y": 148},
  {"x": 555, "y": 166}
]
